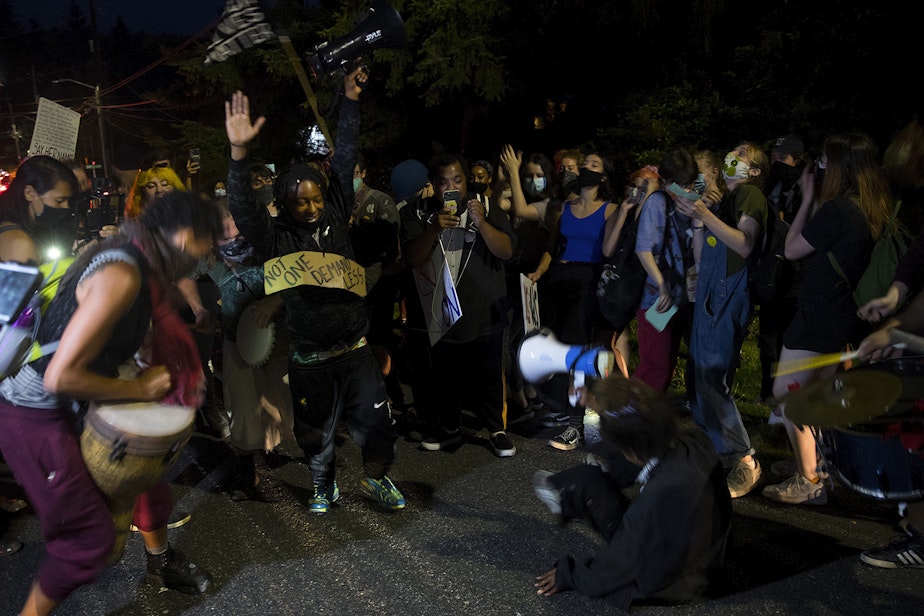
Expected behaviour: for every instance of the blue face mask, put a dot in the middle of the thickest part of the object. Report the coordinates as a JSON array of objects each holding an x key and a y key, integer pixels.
[
  {"x": 357, "y": 184},
  {"x": 535, "y": 185},
  {"x": 699, "y": 184}
]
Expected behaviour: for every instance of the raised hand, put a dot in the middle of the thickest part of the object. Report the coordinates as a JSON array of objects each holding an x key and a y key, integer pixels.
[
  {"x": 241, "y": 130},
  {"x": 511, "y": 159}
]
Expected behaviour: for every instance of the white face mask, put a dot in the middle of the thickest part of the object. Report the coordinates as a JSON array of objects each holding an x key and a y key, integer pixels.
[{"x": 735, "y": 168}]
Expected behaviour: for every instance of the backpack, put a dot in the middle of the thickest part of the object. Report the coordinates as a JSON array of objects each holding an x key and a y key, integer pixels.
[
  {"x": 887, "y": 252},
  {"x": 622, "y": 280},
  {"x": 767, "y": 267},
  {"x": 18, "y": 338}
]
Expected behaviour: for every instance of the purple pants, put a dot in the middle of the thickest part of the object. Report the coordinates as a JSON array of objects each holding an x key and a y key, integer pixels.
[{"x": 42, "y": 449}]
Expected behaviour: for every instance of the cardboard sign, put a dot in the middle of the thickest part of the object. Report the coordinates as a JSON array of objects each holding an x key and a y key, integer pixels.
[
  {"x": 529, "y": 294},
  {"x": 56, "y": 129},
  {"x": 315, "y": 269}
]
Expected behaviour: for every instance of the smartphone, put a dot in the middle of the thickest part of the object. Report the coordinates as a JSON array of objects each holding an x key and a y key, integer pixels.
[
  {"x": 451, "y": 201},
  {"x": 194, "y": 158},
  {"x": 686, "y": 194}
]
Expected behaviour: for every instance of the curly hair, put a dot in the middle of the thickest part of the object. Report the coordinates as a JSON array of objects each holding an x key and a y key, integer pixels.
[
  {"x": 634, "y": 417},
  {"x": 135, "y": 201}
]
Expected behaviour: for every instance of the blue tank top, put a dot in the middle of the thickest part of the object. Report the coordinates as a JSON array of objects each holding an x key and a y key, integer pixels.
[{"x": 583, "y": 237}]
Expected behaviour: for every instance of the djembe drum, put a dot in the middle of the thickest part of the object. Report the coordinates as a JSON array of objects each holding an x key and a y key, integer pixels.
[{"x": 128, "y": 448}]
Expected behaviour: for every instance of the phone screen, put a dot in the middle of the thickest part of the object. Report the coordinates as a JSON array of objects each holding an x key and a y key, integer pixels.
[
  {"x": 17, "y": 285},
  {"x": 686, "y": 194}
]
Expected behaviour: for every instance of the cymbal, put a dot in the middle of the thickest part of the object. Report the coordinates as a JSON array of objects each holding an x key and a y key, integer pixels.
[{"x": 851, "y": 397}]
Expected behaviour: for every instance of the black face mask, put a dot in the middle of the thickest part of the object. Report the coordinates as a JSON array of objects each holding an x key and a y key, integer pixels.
[
  {"x": 785, "y": 174},
  {"x": 56, "y": 227},
  {"x": 478, "y": 187},
  {"x": 568, "y": 179},
  {"x": 237, "y": 251},
  {"x": 587, "y": 178},
  {"x": 264, "y": 195}
]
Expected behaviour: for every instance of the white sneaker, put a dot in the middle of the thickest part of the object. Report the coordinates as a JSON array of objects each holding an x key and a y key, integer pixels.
[{"x": 797, "y": 490}]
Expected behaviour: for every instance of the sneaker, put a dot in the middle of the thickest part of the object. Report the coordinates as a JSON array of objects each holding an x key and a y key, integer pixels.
[
  {"x": 173, "y": 571},
  {"x": 323, "y": 498},
  {"x": 797, "y": 490},
  {"x": 442, "y": 440},
  {"x": 502, "y": 446},
  {"x": 519, "y": 414},
  {"x": 546, "y": 492},
  {"x": 742, "y": 478},
  {"x": 787, "y": 468},
  {"x": 900, "y": 553},
  {"x": 177, "y": 519},
  {"x": 383, "y": 492},
  {"x": 554, "y": 420},
  {"x": 570, "y": 439},
  {"x": 9, "y": 546}
]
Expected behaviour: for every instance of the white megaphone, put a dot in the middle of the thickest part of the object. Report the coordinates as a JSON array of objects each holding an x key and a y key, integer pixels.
[{"x": 541, "y": 355}]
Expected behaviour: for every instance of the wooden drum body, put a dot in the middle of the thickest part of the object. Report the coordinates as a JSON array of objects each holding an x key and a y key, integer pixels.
[{"x": 128, "y": 448}]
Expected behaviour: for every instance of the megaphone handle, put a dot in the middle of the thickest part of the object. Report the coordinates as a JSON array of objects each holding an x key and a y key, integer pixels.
[{"x": 296, "y": 63}]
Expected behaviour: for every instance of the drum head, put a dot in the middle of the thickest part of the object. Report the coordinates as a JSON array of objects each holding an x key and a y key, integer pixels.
[
  {"x": 254, "y": 343},
  {"x": 146, "y": 419}
]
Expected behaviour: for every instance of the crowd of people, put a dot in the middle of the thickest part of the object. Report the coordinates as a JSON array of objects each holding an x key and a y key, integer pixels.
[{"x": 384, "y": 301}]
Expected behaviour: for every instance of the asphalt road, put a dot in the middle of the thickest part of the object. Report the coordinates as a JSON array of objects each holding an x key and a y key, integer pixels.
[{"x": 470, "y": 541}]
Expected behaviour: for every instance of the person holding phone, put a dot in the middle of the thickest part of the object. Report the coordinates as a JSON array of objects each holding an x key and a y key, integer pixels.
[{"x": 472, "y": 236}]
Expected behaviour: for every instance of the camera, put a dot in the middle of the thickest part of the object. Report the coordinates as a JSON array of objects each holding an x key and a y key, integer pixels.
[{"x": 105, "y": 208}]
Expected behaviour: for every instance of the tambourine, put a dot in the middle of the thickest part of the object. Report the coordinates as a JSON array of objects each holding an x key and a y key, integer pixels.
[{"x": 254, "y": 343}]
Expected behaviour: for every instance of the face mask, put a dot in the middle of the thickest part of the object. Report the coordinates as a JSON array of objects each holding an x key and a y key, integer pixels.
[
  {"x": 785, "y": 174},
  {"x": 567, "y": 178},
  {"x": 819, "y": 175},
  {"x": 634, "y": 194},
  {"x": 478, "y": 187},
  {"x": 56, "y": 227},
  {"x": 237, "y": 251},
  {"x": 699, "y": 184},
  {"x": 221, "y": 192},
  {"x": 735, "y": 168},
  {"x": 264, "y": 195},
  {"x": 357, "y": 184},
  {"x": 587, "y": 178},
  {"x": 534, "y": 185}
]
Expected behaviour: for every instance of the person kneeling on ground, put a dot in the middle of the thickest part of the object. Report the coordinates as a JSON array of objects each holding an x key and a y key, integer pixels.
[{"x": 663, "y": 543}]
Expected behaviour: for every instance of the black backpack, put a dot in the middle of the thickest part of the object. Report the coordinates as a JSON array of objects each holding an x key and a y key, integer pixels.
[
  {"x": 622, "y": 280},
  {"x": 768, "y": 267}
]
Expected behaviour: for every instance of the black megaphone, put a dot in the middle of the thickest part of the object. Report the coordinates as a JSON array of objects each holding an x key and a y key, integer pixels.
[{"x": 382, "y": 27}]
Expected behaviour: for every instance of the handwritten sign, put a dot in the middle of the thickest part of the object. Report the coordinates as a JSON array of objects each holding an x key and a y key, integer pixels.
[
  {"x": 529, "y": 294},
  {"x": 438, "y": 296},
  {"x": 316, "y": 269},
  {"x": 56, "y": 129}
]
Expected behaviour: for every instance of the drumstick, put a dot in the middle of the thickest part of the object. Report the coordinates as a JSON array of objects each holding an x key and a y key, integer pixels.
[
  {"x": 810, "y": 363},
  {"x": 819, "y": 361}
]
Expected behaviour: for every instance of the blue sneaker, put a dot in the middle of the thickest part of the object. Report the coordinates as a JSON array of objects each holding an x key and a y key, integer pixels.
[
  {"x": 383, "y": 492},
  {"x": 323, "y": 498}
]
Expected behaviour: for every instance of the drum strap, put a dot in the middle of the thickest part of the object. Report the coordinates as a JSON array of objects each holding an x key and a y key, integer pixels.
[{"x": 316, "y": 357}]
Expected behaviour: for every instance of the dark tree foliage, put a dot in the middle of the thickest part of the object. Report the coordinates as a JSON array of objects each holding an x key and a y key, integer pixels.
[{"x": 629, "y": 78}]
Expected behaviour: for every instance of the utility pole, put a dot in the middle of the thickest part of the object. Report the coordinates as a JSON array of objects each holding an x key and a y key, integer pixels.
[
  {"x": 99, "y": 119},
  {"x": 100, "y": 78}
]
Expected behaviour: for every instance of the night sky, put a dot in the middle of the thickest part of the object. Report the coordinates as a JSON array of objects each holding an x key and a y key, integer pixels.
[{"x": 160, "y": 17}]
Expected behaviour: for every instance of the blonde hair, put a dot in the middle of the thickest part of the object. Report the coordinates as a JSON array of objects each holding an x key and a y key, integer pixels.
[{"x": 133, "y": 204}]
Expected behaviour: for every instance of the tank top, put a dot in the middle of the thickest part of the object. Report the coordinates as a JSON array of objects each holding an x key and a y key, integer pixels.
[{"x": 583, "y": 237}]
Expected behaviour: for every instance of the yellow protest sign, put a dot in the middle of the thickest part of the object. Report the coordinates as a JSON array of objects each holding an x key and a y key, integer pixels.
[{"x": 315, "y": 269}]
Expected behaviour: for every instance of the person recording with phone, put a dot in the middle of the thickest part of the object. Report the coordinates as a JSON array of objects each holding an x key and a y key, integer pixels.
[{"x": 473, "y": 237}]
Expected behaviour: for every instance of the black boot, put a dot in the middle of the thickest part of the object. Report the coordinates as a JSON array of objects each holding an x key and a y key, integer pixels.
[
  {"x": 172, "y": 570},
  {"x": 243, "y": 484}
]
